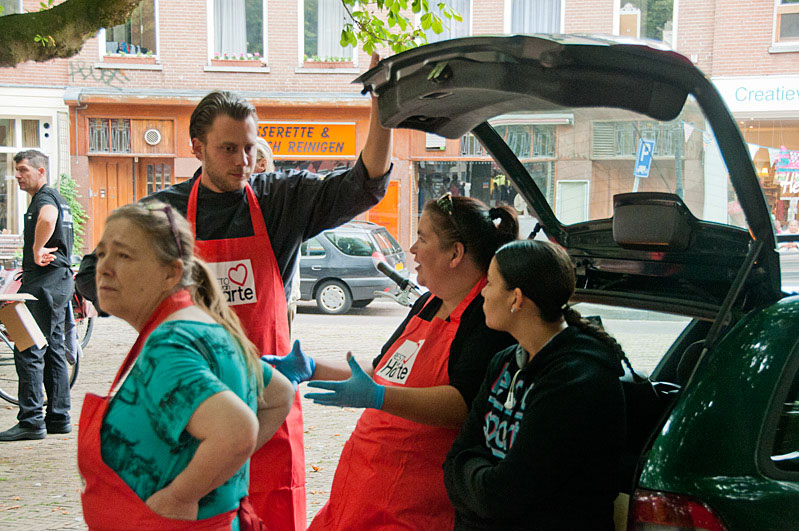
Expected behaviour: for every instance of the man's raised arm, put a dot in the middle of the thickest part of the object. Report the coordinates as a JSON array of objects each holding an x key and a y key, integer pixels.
[{"x": 376, "y": 153}]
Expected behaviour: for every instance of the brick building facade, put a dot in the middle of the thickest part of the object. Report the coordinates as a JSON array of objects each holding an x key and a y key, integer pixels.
[{"x": 116, "y": 115}]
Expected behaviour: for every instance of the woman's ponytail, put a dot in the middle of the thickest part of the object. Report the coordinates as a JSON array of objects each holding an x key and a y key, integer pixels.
[
  {"x": 208, "y": 295},
  {"x": 573, "y": 318}
]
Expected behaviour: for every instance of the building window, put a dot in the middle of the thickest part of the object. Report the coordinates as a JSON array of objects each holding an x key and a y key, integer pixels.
[
  {"x": 11, "y": 130},
  {"x": 647, "y": 19},
  {"x": 471, "y": 147},
  {"x": 11, "y": 7},
  {"x": 137, "y": 36},
  {"x": 109, "y": 135},
  {"x": 238, "y": 29},
  {"x": 620, "y": 139},
  {"x": 322, "y": 25},
  {"x": 453, "y": 29},
  {"x": 571, "y": 203},
  {"x": 787, "y": 26},
  {"x": 159, "y": 176},
  {"x": 525, "y": 140},
  {"x": 16, "y": 134},
  {"x": 535, "y": 16}
]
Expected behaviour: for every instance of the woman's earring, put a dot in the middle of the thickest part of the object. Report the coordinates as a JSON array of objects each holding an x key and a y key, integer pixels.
[{"x": 512, "y": 309}]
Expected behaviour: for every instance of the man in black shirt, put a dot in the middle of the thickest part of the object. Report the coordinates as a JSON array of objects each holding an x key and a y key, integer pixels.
[{"x": 47, "y": 276}]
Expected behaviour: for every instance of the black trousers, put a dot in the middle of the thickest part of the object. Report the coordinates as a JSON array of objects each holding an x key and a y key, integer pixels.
[{"x": 37, "y": 367}]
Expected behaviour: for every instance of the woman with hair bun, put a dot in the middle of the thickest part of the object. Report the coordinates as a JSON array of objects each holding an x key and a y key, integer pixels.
[
  {"x": 542, "y": 445},
  {"x": 418, "y": 391},
  {"x": 170, "y": 450}
]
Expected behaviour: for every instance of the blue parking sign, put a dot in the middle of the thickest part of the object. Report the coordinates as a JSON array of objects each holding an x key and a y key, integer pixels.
[{"x": 643, "y": 158}]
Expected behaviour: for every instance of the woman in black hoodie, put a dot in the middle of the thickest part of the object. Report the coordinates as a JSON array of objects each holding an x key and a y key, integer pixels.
[{"x": 541, "y": 446}]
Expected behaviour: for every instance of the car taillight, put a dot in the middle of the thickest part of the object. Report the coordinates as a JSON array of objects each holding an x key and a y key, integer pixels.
[
  {"x": 378, "y": 257},
  {"x": 651, "y": 510}
]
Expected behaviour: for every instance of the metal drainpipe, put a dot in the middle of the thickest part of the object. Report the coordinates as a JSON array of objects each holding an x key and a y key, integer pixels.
[{"x": 78, "y": 108}]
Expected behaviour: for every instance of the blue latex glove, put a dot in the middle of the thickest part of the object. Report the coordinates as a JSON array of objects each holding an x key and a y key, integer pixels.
[
  {"x": 359, "y": 390},
  {"x": 297, "y": 367}
]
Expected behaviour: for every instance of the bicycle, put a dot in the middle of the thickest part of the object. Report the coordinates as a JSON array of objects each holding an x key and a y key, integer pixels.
[{"x": 84, "y": 313}]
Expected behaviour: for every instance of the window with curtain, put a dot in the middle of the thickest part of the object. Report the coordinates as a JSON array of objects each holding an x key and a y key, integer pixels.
[
  {"x": 11, "y": 7},
  {"x": 238, "y": 29},
  {"x": 30, "y": 133},
  {"x": 452, "y": 28},
  {"x": 136, "y": 35},
  {"x": 535, "y": 16},
  {"x": 324, "y": 20},
  {"x": 7, "y": 133},
  {"x": 788, "y": 21}
]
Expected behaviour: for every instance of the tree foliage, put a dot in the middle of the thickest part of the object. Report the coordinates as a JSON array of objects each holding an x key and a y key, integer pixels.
[
  {"x": 376, "y": 23},
  {"x": 58, "y": 31}
]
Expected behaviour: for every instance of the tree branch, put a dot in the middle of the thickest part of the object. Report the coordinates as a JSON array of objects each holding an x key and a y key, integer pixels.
[{"x": 70, "y": 24}]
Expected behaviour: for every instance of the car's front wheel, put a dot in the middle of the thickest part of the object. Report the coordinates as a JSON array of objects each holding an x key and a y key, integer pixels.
[{"x": 333, "y": 297}]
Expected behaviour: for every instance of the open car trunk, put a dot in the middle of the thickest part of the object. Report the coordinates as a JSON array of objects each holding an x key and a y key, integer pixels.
[{"x": 676, "y": 240}]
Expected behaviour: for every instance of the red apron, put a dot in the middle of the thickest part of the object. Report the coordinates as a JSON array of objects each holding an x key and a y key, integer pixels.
[
  {"x": 108, "y": 502},
  {"x": 389, "y": 475},
  {"x": 249, "y": 276}
]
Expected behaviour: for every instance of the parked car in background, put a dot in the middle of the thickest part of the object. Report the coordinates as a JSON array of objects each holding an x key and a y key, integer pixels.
[
  {"x": 650, "y": 188},
  {"x": 338, "y": 268}
]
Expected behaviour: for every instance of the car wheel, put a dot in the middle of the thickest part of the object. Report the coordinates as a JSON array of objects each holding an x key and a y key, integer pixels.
[
  {"x": 333, "y": 297},
  {"x": 363, "y": 303}
]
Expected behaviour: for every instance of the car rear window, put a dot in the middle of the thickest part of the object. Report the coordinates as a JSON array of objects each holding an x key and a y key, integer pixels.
[
  {"x": 351, "y": 243},
  {"x": 785, "y": 454},
  {"x": 644, "y": 335},
  {"x": 312, "y": 247},
  {"x": 386, "y": 242}
]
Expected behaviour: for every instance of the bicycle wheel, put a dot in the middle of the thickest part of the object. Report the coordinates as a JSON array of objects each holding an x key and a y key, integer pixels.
[
  {"x": 83, "y": 328},
  {"x": 8, "y": 372}
]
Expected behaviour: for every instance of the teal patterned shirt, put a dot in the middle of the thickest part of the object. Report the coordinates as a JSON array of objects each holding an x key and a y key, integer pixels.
[{"x": 144, "y": 438}]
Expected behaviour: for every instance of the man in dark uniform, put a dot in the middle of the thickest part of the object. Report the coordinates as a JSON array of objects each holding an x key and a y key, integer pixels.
[{"x": 47, "y": 276}]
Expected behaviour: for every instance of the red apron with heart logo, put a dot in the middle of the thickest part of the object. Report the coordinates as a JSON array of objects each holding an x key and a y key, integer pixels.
[
  {"x": 108, "y": 502},
  {"x": 250, "y": 277},
  {"x": 389, "y": 475}
]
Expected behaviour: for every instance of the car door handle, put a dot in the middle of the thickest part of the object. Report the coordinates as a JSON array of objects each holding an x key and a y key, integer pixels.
[{"x": 316, "y": 268}]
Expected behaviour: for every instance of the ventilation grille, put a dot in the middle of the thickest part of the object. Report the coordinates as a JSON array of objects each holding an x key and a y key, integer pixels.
[{"x": 152, "y": 137}]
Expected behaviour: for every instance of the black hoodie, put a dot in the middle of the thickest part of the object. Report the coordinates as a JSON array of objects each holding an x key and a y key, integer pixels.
[{"x": 546, "y": 457}]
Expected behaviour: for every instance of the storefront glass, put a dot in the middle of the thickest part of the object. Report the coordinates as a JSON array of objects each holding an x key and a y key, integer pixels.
[{"x": 774, "y": 146}]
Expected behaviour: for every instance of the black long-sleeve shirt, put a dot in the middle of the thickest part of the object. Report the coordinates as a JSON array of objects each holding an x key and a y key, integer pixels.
[
  {"x": 548, "y": 457},
  {"x": 296, "y": 205}
]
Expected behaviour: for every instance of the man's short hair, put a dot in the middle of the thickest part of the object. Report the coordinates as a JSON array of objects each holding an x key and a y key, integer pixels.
[
  {"x": 214, "y": 104},
  {"x": 35, "y": 158}
]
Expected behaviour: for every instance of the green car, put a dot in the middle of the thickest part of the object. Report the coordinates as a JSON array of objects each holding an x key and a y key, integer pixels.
[{"x": 625, "y": 154}]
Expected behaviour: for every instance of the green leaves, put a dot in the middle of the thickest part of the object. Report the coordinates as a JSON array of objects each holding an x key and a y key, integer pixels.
[
  {"x": 44, "y": 40},
  {"x": 393, "y": 23}
]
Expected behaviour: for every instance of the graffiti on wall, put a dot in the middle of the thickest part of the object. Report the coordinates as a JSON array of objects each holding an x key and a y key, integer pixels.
[{"x": 80, "y": 71}]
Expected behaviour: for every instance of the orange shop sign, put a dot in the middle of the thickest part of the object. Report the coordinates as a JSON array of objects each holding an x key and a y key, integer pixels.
[{"x": 309, "y": 140}]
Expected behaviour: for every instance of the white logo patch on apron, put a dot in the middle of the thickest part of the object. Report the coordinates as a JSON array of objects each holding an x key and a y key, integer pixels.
[
  {"x": 399, "y": 366},
  {"x": 236, "y": 280}
]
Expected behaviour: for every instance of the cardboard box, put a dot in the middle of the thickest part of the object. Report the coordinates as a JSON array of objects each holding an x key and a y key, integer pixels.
[{"x": 19, "y": 322}]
